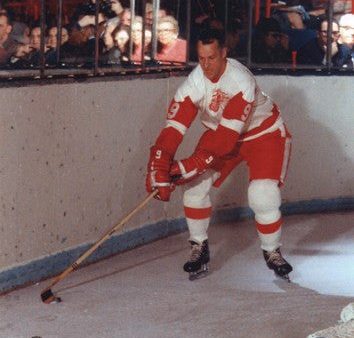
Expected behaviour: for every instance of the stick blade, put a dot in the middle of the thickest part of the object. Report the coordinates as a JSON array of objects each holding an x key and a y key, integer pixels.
[{"x": 48, "y": 297}]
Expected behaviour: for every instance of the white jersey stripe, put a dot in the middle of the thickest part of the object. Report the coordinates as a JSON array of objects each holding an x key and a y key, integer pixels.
[
  {"x": 177, "y": 125},
  {"x": 278, "y": 124},
  {"x": 233, "y": 124},
  {"x": 286, "y": 158}
]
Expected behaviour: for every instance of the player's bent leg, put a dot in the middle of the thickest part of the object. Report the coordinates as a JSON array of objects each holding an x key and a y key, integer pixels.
[
  {"x": 197, "y": 208},
  {"x": 265, "y": 199}
]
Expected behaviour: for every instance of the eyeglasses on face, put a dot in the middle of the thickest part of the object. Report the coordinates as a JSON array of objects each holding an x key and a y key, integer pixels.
[
  {"x": 334, "y": 33},
  {"x": 165, "y": 30},
  {"x": 347, "y": 27}
]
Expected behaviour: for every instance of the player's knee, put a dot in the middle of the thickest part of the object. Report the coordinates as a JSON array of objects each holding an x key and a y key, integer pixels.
[
  {"x": 196, "y": 199},
  {"x": 197, "y": 194},
  {"x": 264, "y": 199}
]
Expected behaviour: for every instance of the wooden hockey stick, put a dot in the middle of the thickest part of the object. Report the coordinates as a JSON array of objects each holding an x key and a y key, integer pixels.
[{"x": 47, "y": 295}]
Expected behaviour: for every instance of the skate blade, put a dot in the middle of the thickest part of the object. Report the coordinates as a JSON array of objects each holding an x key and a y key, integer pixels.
[
  {"x": 199, "y": 274},
  {"x": 284, "y": 277}
]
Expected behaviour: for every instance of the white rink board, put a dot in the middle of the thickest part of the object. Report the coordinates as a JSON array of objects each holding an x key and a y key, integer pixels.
[{"x": 73, "y": 156}]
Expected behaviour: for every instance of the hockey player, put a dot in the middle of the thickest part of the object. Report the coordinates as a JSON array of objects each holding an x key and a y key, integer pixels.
[{"x": 242, "y": 124}]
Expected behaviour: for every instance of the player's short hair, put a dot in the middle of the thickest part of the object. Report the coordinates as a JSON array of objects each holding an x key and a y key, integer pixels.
[{"x": 210, "y": 35}]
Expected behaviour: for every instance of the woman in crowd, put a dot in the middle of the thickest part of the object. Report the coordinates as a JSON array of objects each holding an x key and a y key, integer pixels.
[
  {"x": 137, "y": 39},
  {"x": 121, "y": 38},
  {"x": 170, "y": 47}
]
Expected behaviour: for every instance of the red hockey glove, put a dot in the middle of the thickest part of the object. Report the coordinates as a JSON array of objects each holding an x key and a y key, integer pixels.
[
  {"x": 158, "y": 173},
  {"x": 186, "y": 170}
]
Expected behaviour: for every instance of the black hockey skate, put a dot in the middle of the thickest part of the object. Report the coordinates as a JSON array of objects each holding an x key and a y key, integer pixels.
[
  {"x": 197, "y": 266},
  {"x": 278, "y": 264}
]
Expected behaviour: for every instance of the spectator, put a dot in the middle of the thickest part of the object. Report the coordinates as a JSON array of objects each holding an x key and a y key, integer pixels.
[
  {"x": 346, "y": 29},
  {"x": 52, "y": 41},
  {"x": 212, "y": 23},
  {"x": 296, "y": 22},
  {"x": 35, "y": 38},
  {"x": 83, "y": 28},
  {"x": 149, "y": 13},
  {"x": 137, "y": 39},
  {"x": 83, "y": 37},
  {"x": 341, "y": 7},
  {"x": 236, "y": 35},
  {"x": 116, "y": 7},
  {"x": 170, "y": 47},
  {"x": 232, "y": 43},
  {"x": 270, "y": 45},
  {"x": 52, "y": 37},
  {"x": 126, "y": 17},
  {"x": 107, "y": 8},
  {"x": 20, "y": 59},
  {"x": 20, "y": 30},
  {"x": 8, "y": 45},
  {"x": 121, "y": 38},
  {"x": 110, "y": 26},
  {"x": 314, "y": 52},
  {"x": 111, "y": 53},
  {"x": 148, "y": 39},
  {"x": 35, "y": 45},
  {"x": 291, "y": 17}
]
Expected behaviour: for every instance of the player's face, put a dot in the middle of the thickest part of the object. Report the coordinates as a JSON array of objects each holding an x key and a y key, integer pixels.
[{"x": 212, "y": 59}]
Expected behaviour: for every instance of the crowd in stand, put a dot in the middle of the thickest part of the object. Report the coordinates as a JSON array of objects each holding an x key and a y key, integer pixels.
[
  {"x": 120, "y": 38},
  {"x": 296, "y": 32}
]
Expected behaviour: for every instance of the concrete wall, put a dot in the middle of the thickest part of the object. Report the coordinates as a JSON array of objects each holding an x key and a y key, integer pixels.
[{"x": 73, "y": 158}]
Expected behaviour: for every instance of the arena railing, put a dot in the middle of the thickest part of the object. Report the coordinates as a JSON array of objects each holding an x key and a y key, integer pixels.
[{"x": 187, "y": 14}]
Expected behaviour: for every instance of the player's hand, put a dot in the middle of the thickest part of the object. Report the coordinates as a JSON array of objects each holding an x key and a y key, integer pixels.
[
  {"x": 162, "y": 182},
  {"x": 158, "y": 173},
  {"x": 186, "y": 170}
]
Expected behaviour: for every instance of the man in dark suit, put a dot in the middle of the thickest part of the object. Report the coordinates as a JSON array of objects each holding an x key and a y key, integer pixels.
[{"x": 314, "y": 52}]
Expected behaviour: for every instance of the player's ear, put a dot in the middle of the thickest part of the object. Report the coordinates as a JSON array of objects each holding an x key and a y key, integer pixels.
[{"x": 224, "y": 52}]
